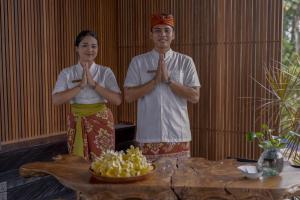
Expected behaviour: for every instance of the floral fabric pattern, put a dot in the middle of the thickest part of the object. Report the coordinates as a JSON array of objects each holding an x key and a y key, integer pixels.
[
  {"x": 97, "y": 131},
  {"x": 153, "y": 151}
]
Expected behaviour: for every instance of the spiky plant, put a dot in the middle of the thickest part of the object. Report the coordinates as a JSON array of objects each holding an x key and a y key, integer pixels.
[{"x": 283, "y": 85}]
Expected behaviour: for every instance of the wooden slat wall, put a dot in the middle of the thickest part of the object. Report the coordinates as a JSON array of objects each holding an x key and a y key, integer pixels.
[
  {"x": 230, "y": 42},
  {"x": 36, "y": 43}
]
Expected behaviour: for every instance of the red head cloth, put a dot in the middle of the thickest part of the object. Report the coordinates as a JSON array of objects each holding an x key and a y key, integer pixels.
[{"x": 166, "y": 19}]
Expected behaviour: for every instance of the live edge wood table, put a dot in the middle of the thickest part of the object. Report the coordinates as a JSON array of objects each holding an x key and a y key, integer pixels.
[{"x": 193, "y": 178}]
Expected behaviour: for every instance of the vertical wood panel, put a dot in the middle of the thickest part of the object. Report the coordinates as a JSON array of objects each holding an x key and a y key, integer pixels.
[
  {"x": 36, "y": 43},
  {"x": 230, "y": 41}
]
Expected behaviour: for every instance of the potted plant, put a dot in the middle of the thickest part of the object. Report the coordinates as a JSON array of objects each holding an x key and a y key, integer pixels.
[
  {"x": 271, "y": 160},
  {"x": 283, "y": 102}
]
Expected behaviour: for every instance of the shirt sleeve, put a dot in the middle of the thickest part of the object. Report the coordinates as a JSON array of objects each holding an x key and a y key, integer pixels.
[
  {"x": 61, "y": 83},
  {"x": 133, "y": 75},
  {"x": 191, "y": 78},
  {"x": 111, "y": 82}
]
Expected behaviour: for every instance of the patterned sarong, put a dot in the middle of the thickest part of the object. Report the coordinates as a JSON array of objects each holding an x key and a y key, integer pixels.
[
  {"x": 90, "y": 130},
  {"x": 154, "y": 151}
]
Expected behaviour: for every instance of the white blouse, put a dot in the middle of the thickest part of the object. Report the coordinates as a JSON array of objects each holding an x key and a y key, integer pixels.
[
  {"x": 162, "y": 115},
  {"x": 87, "y": 95}
]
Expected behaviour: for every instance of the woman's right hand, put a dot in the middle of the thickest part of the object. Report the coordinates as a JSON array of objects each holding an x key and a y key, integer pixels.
[
  {"x": 67, "y": 95},
  {"x": 83, "y": 82}
]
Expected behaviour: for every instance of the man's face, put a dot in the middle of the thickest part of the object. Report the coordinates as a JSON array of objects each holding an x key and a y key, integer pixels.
[{"x": 162, "y": 36}]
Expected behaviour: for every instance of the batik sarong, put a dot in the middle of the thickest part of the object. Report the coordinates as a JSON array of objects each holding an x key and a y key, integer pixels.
[
  {"x": 154, "y": 151},
  {"x": 90, "y": 130}
]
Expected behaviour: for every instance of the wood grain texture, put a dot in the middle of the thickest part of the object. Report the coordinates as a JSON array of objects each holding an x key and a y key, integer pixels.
[
  {"x": 36, "y": 43},
  {"x": 192, "y": 178},
  {"x": 73, "y": 173},
  {"x": 230, "y": 42},
  {"x": 198, "y": 178}
]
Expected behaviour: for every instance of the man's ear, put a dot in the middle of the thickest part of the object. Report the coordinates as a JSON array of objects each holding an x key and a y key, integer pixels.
[
  {"x": 151, "y": 35},
  {"x": 173, "y": 35}
]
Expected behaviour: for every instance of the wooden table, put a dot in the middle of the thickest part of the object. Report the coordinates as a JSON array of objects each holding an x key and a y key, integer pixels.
[{"x": 193, "y": 178}]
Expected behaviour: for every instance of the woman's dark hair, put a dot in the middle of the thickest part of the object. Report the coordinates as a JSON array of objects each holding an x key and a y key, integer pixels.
[{"x": 84, "y": 33}]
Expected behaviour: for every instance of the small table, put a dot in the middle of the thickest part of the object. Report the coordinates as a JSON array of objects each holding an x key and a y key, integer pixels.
[
  {"x": 198, "y": 178},
  {"x": 73, "y": 172},
  {"x": 192, "y": 178}
]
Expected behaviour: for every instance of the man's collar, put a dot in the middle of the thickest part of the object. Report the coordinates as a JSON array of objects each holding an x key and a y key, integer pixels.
[{"x": 168, "y": 54}]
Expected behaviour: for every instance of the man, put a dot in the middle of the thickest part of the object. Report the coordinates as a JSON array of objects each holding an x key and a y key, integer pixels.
[{"x": 162, "y": 81}]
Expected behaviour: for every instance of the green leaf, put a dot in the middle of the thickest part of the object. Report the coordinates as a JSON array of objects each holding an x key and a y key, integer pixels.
[
  {"x": 267, "y": 144},
  {"x": 264, "y": 127},
  {"x": 297, "y": 160},
  {"x": 260, "y": 135},
  {"x": 250, "y": 136},
  {"x": 281, "y": 146}
]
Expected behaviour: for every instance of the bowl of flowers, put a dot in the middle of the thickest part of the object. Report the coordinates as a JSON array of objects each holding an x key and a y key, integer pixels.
[{"x": 121, "y": 167}]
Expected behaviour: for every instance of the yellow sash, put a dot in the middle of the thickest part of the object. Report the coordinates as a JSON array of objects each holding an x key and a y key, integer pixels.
[{"x": 79, "y": 111}]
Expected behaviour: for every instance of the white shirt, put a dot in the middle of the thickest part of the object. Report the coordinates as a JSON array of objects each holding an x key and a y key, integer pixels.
[
  {"x": 101, "y": 74},
  {"x": 162, "y": 115}
]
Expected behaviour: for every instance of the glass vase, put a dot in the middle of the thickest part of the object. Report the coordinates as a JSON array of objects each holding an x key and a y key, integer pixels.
[{"x": 270, "y": 162}]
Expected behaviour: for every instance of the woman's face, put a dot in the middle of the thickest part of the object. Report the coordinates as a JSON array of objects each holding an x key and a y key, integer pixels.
[{"x": 87, "y": 49}]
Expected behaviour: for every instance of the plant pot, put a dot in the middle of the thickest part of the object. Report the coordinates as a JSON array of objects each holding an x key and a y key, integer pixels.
[{"x": 270, "y": 162}]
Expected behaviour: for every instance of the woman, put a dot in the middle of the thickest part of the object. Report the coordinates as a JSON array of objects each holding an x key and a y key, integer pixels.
[{"x": 88, "y": 87}]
